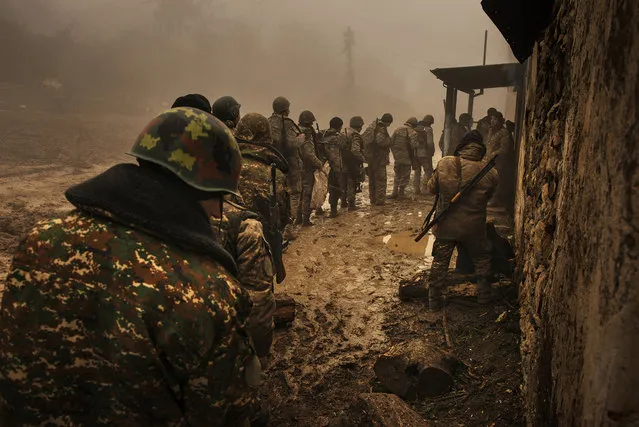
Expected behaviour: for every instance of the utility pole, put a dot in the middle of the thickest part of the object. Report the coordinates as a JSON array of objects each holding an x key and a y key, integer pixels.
[{"x": 349, "y": 42}]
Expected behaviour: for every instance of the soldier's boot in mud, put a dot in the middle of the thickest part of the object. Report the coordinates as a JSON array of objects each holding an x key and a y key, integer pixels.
[
  {"x": 299, "y": 218},
  {"x": 333, "y": 213},
  {"x": 319, "y": 211},
  {"x": 485, "y": 292},
  {"x": 402, "y": 192},
  {"x": 344, "y": 204},
  {"x": 434, "y": 299},
  {"x": 307, "y": 222},
  {"x": 352, "y": 207}
]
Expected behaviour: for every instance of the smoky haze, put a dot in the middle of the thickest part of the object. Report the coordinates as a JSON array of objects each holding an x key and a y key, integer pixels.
[{"x": 139, "y": 55}]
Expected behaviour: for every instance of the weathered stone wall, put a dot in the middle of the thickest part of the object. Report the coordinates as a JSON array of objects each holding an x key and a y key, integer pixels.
[{"x": 578, "y": 219}]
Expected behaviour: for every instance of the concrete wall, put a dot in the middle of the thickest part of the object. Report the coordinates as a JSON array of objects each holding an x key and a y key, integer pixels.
[{"x": 577, "y": 213}]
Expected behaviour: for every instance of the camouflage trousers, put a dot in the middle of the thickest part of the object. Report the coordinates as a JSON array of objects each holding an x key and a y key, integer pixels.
[
  {"x": 308, "y": 182},
  {"x": 338, "y": 189},
  {"x": 478, "y": 250},
  {"x": 352, "y": 182},
  {"x": 294, "y": 181},
  {"x": 425, "y": 163},
  {"x": 259, "y": 324},
  {"x": 377, "y": 183},
  {"x": 402, "y": 177}
]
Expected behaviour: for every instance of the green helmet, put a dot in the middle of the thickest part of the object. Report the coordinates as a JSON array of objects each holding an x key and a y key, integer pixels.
[
  {"x": 226, "y": 109},
  {"x": 254, "y": 127},
  {"x": 193, "y": 145},
  {"x": 428, "y": 120},
  {"x": 306, "y": 118},
  {"x": 412, "y": 121},
  {"x": 280, "y": 104},
  {"x": 356, "y": 122}
]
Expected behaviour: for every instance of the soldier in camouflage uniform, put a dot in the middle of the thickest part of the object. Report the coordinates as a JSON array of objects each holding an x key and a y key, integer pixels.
[
  {"x": 500, "y": 142},
  {"x": 126, "y": 311},
  {"x": 423, "y": 151},
  {"x": 310, "y": 163},
  {"x": 377, "y": 143},
  {"x": 227, "y": 110},
  {"x": 353, "y": 158},
  {"x": 402, "y": 156},
  {"x": 288, "y": 138},
  {"x": 334, "y": 144},
  {"x": 466, "y": 224}
]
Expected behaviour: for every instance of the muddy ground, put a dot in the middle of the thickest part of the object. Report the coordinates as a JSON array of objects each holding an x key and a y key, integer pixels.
[{"x": 343, "y": 272}]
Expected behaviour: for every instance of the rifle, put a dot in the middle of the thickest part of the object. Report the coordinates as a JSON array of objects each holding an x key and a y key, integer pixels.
[
  {"x": 456, "y": 198},
  {"x": 274, "y": 235}
]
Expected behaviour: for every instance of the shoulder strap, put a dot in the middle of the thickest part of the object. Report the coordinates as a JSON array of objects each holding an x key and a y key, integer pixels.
[{"x": 459, "y": 172}]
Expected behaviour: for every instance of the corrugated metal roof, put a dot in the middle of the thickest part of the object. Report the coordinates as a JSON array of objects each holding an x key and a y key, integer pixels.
[{"x": 468, "y": 79}]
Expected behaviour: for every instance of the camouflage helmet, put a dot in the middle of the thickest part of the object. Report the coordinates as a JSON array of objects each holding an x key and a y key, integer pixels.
[
  {"x": 195, "y": 146},
  {"x": 226, "y": 109},
  {"x": 281, "y": 104},
  {"x": 428, "y": 120},
  {"x": 306, "y": 118},
  {"x": 387, "y": 118},
  {"x": 254, "y": 127},
  {"x": 412, "y": 121},
  {"x": 356, "y": 122},
  {"x": 465, "y": 118}
]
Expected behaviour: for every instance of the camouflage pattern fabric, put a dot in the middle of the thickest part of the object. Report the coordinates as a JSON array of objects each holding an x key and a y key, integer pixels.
[
  {"x": 402, "y": 178},
  {"x": 287, "y": 141},
  {"x": 254, "y": 127},
  {"x": 401, "y": 148},
  {"x": 310, "y": 163},
  {"x": 443, "y": 251},
  {"x": 424, "y": 164},
  {"x": 102, "y": 324},
  {"x": 353, "y": 159},
  {"x": 468, "y": 220},
  {"x": 193, "y": 145},
  {"x": 256, "y": 274},
  {"x": 498, "y": 142},
  {"x": 377, "y": 144}
]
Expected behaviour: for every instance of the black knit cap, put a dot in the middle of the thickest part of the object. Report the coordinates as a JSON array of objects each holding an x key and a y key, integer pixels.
[
  {"x": 336, "y": 123},
  {"x": 193, "y": 100},
  {"x": 471, "y": 137},
  {"x": 387, "y": 118}
]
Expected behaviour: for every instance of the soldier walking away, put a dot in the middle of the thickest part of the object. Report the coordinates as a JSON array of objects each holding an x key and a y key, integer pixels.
[
  {"x": 465, "y": 224},
  {"x": 288, "y": 138},
  {"x": 193, "y": 100},
  {"x": 310, "y": 163},
  {"x": 423, "y": 151},
  {"x": 376, "y": 151},
  {"x": 353, "y": 159},
  {"x": 126, "y": 311},
  {"x": 402, "y": 150},
  {"x": 334, "y": 144},
  {"x": 500, "y": 141},
  {"x": 227, "y": 110},
  {"x": 483, "y": 125}
]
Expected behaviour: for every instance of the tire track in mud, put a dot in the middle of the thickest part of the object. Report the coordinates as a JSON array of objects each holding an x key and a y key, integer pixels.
[{"x": 344, "y": 279}]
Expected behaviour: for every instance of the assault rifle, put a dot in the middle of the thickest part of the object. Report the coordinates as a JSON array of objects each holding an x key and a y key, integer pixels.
[
  {"x": 273, "y": 227},
  {"x": 456, "y": 198}
]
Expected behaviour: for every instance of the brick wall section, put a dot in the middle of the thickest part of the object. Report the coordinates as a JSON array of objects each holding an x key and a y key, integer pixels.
[{"x": 578, "y": 219}]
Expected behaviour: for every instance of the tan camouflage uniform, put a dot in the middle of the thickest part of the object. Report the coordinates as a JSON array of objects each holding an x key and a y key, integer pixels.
[
  {"x": 466, "y": 224},
  {"x": 353, "y": 159},
  {"x": 402, "y": 156},
  {"x": 424, "y": 149},
  {"x": 244, "y": 239},
  {"x": 377, "y": 143},
  {"x": 310, "y": 163},
  {"x": 334, "y": 143},
  {"x": 285, "y": 137}
]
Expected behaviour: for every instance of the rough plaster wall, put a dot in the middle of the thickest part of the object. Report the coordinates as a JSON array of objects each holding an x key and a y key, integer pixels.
[{"x": 578, "y": 213}]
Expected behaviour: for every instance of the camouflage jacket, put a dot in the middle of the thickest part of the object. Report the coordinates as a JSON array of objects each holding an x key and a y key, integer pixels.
[
  {"x": 468, "y": 219},
  {"x": 334, "y": 144},
  {"x": 402, "y": 149},
  {"x": 308, "y": 151},
  {"x": 242, "y": 235},
  {"x": 117, "y": 314},
  {"x": 423, "y": 144},
  {"x": 352, "y": 152},
  {"x": 499, "y": 142},
  {"x": 285, "y": 137},
  {"x": 377, "y": 144}
]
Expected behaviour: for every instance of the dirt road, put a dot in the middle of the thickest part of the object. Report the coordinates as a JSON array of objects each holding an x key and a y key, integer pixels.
[{"x": 343, "y": 272}]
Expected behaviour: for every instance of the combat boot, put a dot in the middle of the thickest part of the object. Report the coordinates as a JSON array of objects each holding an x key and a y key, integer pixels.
[
  {"x": 344, "y": 204},
  {"x": 485, "y": 292},
  {"x": 299, "y": 218},
  {"x": 434, "y": 299},
  {"x": 401, "y": 194},
  {"x": 307, "y": 222},
  {"x": 352, "y": 207},
  {"x": 319, "y": 211},
  {"x": 333, "y": 213}
]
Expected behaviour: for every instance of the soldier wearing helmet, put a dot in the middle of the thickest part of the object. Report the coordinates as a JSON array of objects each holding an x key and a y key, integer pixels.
[
  {"x": 500, "y": 141},
  {"x": 402, "y": 156},
  {"x": 483, "y": 125},
  {"x": 134, "y": 302},
  {"x": 464, "y": 226},
  {"x": 376, "y": 150},
  {"x": 310, "y": 163},
  {"x": 458, "y": 130},
  {"x": 287, "y": 138},
  {"x": 353, "y": 159},
  {"x": 423, "y": 151},
  {"x": 227, "y": 110}
]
